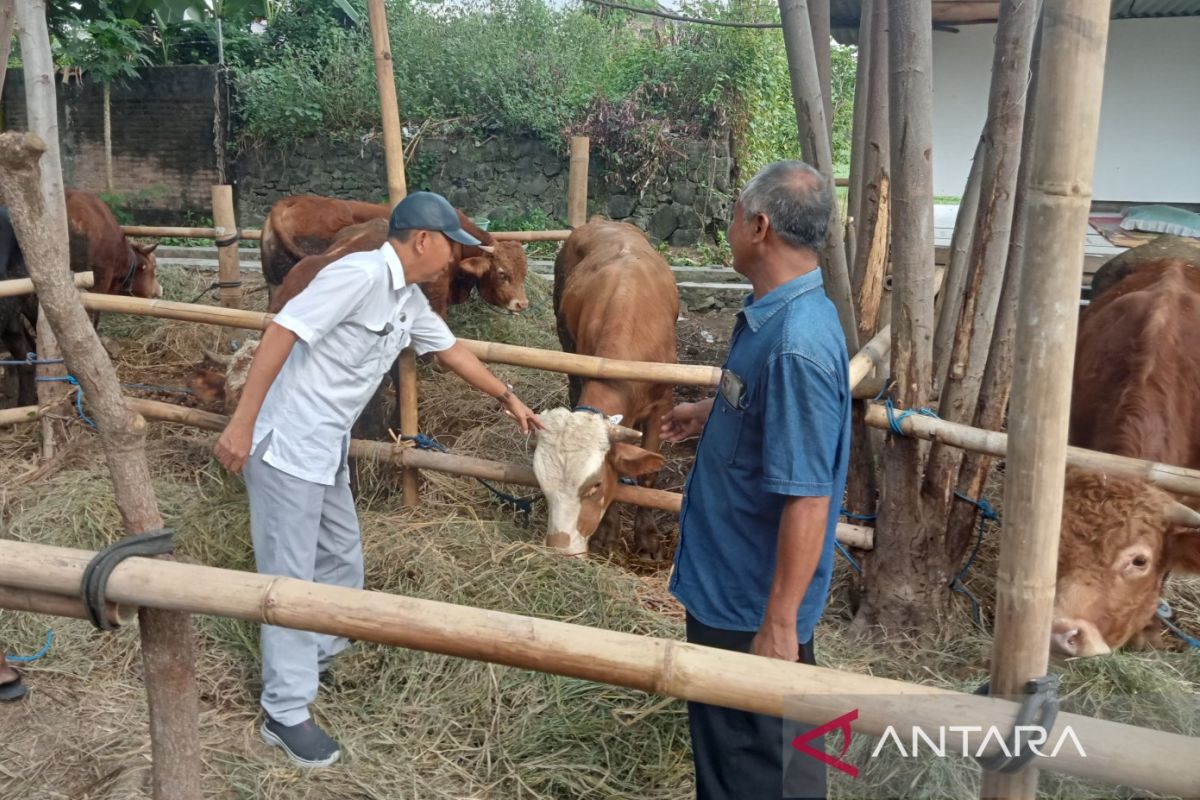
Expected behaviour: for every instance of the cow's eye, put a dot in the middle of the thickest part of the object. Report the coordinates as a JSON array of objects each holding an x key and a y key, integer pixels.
[
  {"x": 504, "y": 277},
  {"x": 1140, "y": 561}
]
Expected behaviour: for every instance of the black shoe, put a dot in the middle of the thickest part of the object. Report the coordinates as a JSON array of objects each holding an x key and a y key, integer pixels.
[
  {"x": 326, "y": 678},
  {"x": 12, "y": 690},
  {"x": 305, "y": 744}
]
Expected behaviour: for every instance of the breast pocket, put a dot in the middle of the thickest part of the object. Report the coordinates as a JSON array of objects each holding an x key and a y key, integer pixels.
[
  {"x": 724, "y": 429},
  {"x": 387, "y": 339}
]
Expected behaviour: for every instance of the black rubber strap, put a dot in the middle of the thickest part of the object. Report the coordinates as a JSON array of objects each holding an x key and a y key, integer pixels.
[
  {"x": 1040, "y": 709},
  {"x": 237, "y": 237},
  {"x": 227, "y": 284},
  {"x": 95, "y": 576}
]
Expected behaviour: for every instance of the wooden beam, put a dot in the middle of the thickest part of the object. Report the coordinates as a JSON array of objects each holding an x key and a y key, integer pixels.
[
  {"x": 15, "y": 287},
  {"x": 1119, "y": 754}
]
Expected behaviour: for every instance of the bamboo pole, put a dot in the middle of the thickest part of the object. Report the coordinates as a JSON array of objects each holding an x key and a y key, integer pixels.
[
  {"x": 814, "y": 138},
  {"x": 577, "y": 182},
  {"x": 1169, "y": 478},
  {"x": 385, "y": 80},
  {"x": 255, "y": 234},
  {"x": 1115, "y": 753},
  {"x": 15, "y": 287},
  {"x": 166, "y": 637},
  {"x": 1074, "y": 38},
  {"x": 409, "y": 425},
  {"x": 229, "y": 274},
  {"x": 531, "y": 236},
  {"x": 31, "y": 601}
]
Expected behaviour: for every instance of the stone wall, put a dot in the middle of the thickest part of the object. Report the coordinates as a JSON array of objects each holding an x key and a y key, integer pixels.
[
  {"x": 168, "y": 138},
  {"x": 500, "y": 177}
]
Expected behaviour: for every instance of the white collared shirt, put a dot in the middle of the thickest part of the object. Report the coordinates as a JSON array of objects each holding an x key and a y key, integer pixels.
[{"x": 352, "y": 321}]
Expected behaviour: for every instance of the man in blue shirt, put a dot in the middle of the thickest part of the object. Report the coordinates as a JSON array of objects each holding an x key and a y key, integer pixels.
[{"x": 760, "y": 508}]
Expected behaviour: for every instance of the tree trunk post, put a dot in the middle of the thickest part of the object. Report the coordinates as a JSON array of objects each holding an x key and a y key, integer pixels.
[
  {"x": 577, "y": 182},
  {"x": 858, "y": 138},
  {"x": 819, "y": 19},
  {"x": 1074, "y": 37},
  {"x": 108, "y": 155},
  {"x": 166, "y": 636},
  {"x": 997, "y": 379},
  {"x": 8, "y": 20},
  {"x": 989, "y": 244},
  {"x": 810, "y": 120},
  {"x": 907, "y": 575}
]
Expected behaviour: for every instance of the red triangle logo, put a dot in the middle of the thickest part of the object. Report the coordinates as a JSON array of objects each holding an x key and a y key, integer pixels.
[{"x": 842, "y": 724}]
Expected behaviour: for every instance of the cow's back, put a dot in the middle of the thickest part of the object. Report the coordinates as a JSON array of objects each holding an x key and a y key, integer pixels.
[
  {"x": 96, "y": 239},
  {"x": 614, "y": 294},
  {"x": 306, "y": 225},
  {"x": 1136, "y": 389},
  {"x": 354, "y": 239}
]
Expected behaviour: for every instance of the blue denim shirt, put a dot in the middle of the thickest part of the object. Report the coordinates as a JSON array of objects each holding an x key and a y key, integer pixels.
[{"x": 785, "y": 434}]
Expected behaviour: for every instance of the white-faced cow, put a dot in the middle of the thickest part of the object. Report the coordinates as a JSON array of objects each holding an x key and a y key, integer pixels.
[
  {"x": 614, "y": 297},
  {"x": 1136, "y": 393}
]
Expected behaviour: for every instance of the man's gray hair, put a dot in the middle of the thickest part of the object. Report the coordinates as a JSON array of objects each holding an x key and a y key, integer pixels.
[{"x": 796, "y": 199}]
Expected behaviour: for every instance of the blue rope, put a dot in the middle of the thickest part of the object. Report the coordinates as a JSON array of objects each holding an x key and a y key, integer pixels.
[
  {"x": 854, "y": 565},
  {"x": 45, "y": 649},
  {"x": 78, "y": 395},
  {"x": 895, "y": 419},
  {"x": 987, "y": 514},
  {"x": 30, "y": 360},
  {"x": 523, "y": 505},
  {"x": 860, "y": 517},
  {"x": 1164, "y": 613}
]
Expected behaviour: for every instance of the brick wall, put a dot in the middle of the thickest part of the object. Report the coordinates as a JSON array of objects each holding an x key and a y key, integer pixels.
[{"x": 165, "y": 126}]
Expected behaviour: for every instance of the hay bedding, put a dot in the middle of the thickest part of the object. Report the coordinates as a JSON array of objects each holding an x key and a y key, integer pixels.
[{"x": 413, "y": 725}]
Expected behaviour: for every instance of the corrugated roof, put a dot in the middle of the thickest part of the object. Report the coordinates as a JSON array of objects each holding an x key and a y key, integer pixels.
[{"x": 845, "y": 13}]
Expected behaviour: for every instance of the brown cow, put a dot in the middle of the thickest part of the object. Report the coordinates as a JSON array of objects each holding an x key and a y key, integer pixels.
[
  {"x": 308, "y": 225},
  {"x": 219, "y": 379},
  {"x": 1136, "y": 393},
  {"x": 98, "y": 244},
  {"x": 614, "y": 297}
]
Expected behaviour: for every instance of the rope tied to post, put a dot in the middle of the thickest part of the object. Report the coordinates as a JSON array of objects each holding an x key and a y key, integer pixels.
[
  {"x": 1165, "y": 614},
  {"x": 72, "y": 380},
  {"x": 30, "y": 360},
  {"x": 94, "y": 583},
  {"x": 237, "y": 237},
  {"x": 522, "y": 505}
]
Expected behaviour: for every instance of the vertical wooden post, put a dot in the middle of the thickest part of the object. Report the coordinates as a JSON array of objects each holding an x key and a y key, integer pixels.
[
  {"x": 814, "y": 137},
  {"x": 949, "y": 302},
  {"x": 858, "y": 137},
  {"x": 229, "y": 269},
  {"x": 1074, "y": 37},
  {"x": 577, "y": 182},
  {"x": 989, "y": 245},
  {"x": 385, "y": 79},
  {"x": 876, "y": 161},
  {"x": 819, "y": 18},
  {"x": 41, "y": 105},
  {"x": 393, "y": 146},
  {"x": 7, "y": 22}
]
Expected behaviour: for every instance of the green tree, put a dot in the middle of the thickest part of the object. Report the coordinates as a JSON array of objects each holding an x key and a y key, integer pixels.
[{"x": 108, "y": 49}]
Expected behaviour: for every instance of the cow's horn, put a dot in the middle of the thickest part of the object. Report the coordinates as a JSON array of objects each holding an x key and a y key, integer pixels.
[
  {"x": 1181, "y": 515},
  {"x": 619, "y": 434},
  {"x": 217, "y": 358},
  {"x": 487, "y": 248}
]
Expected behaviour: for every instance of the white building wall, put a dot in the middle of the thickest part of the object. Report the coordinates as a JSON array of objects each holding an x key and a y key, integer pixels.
[{"x": 1149, "y": 147}]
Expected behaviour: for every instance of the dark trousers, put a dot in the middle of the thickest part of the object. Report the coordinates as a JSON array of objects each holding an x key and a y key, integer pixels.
[{"x": 740, "y": 755}]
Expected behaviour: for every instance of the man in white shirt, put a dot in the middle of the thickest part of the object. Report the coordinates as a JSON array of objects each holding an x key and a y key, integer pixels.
[{"x": 291, "y": 434}]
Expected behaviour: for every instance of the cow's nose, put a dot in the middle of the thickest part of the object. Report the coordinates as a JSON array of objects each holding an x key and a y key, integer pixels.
[
  {"x": 158, "y": 291},
  {"x": 517, "y": 306},
  {"x": 1065, "y": 640},
  {"x": 559, "y": 541}
]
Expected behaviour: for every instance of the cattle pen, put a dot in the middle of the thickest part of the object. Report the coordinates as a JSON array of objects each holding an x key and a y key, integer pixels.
[{"x": 41, "y": 578}]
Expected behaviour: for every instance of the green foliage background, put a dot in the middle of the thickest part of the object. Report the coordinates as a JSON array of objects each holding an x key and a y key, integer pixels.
[{"x": 520, "y": 67}]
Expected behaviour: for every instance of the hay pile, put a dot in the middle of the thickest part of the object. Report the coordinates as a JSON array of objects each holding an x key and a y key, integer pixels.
[{"x": 415, "y": 725}]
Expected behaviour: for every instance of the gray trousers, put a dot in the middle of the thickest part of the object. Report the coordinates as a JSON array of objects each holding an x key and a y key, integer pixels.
[{"x": 308, "y": 531}]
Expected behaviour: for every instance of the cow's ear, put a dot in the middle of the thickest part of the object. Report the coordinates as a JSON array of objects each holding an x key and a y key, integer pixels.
[
  {"x": 632, "y": 460},
  {"x": 476, "y": 266},
  {"x": 146, "y": 249},
  {"x": 1183, "y": 551}
]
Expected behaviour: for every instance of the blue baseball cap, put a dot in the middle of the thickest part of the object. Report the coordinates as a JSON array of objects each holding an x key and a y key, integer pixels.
[{"x": 427, "y": 211}]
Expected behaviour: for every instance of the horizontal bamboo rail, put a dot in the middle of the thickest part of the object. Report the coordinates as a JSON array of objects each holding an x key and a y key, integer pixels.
[
  {"x": 1115, "y": 753},
  {"x": 467, "y": 466},
  {"x": 1178, "y": 480},
  {"x": 19, "y": 286},
  {"x": 586, "y": 366},
  {"x": 32, "y": 601},
  {"x": 157, "y": 231}
]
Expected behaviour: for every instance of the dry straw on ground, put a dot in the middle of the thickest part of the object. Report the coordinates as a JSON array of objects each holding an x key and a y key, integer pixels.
[{"x": 416, "y": 725}]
